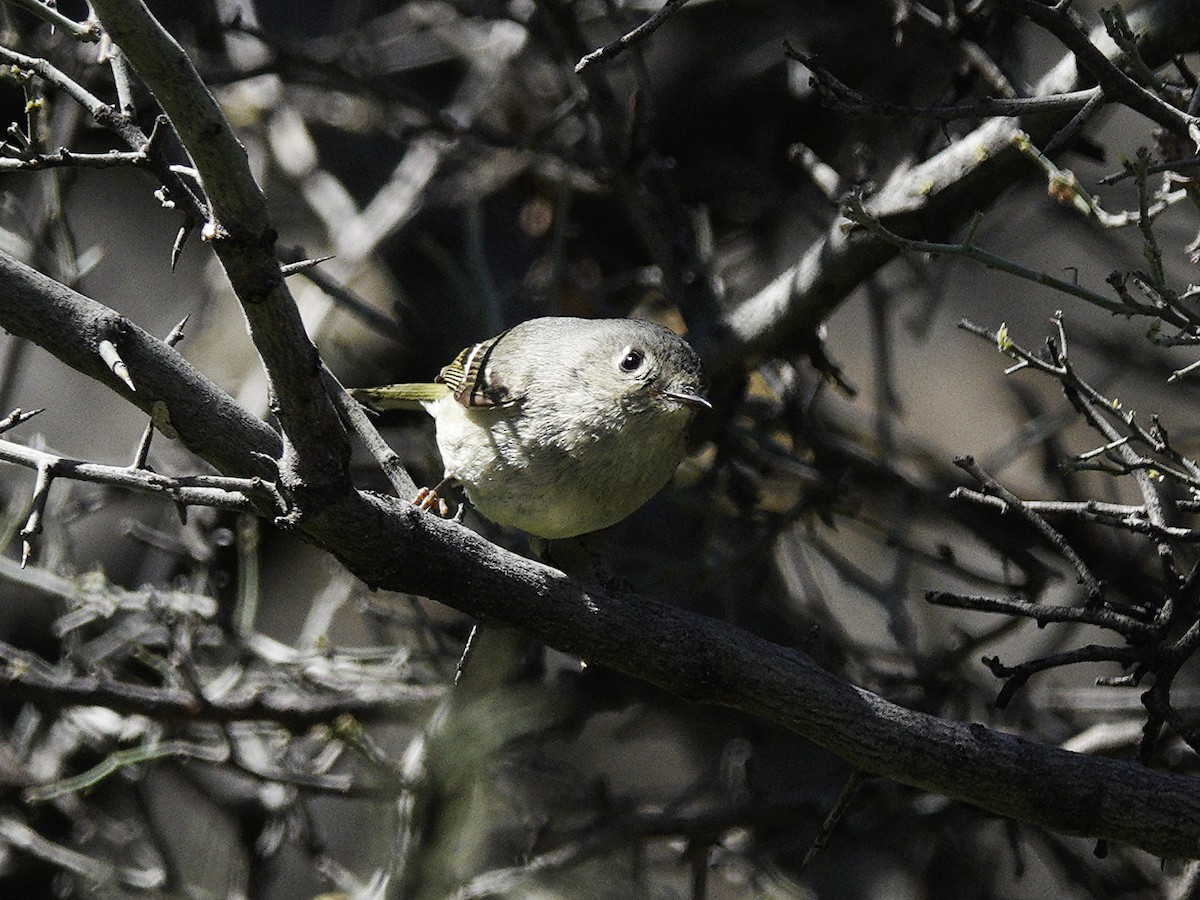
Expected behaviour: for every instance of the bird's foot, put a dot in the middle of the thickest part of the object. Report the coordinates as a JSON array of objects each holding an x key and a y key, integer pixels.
[{"x": 431, "y": 500}]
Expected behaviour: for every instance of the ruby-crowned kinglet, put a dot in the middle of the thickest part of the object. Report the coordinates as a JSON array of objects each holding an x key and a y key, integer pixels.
[{"x": 560, "y": 426}]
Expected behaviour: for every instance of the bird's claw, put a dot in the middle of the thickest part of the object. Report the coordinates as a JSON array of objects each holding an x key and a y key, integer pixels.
[{"x": 430, "y": 500}]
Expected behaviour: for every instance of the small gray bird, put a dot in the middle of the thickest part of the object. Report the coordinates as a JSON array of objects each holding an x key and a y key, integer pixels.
[{"x": 560, "y": 426}]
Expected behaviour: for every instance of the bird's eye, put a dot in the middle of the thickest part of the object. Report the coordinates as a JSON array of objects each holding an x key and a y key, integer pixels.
[{"x": 631, "y": 361}]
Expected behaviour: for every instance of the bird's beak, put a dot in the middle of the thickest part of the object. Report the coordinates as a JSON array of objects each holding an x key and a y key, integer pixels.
[{"x": 687, "y": 398}]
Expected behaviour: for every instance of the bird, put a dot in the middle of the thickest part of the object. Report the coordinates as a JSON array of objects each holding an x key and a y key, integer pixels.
[{"x": 559, "y": 426}]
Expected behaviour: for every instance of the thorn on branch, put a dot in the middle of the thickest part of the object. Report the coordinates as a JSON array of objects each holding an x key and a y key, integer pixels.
[
  {"x": 181, "y": 237},
  {"x": 294, "y": 268},
  {"x": 116, "y": 365},
  {"x": 17, "y": 417},
  {"x": 33, "y": 525},
  {"x": 143, "y": 449},
  {"x": 176, "y": 334}
]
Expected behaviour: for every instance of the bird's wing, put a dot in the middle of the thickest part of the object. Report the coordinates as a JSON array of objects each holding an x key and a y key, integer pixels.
[{"x": 472, "y": 383}]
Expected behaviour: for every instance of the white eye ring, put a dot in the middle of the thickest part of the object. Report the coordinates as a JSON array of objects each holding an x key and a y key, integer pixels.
[{"x": 631, "y": 360}]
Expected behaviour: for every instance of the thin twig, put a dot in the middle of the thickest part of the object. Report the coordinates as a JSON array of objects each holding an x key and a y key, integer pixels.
[
  {"x": 26, "y": 676},
  {"x": 64, "y": 158},
  {"x": 1019, "y": 674},
  {"x": 17, "y": 834},
  {"x": 1092, "y": 585},
  {"x": 118, "y": 760},
  {"x": 358, "y": 420},
  {"x": 841, "y": 96},
  {"x": 1116, "y": 515},
  {"x": 142, "y": 453},
  {"x": 17, "y": 417},
  {"x": 1118, "y": 29},
  {"x": 615, "y": 48},
  {"x": 37, "y": 506},
  {"x": 840, "y": 808},
  {"x": 1115, "y": 83},
  {"x": 1061, "y": 138},
  {"x": 342, "y": 296},
  {"x": 1042, "y": 613},
  {"x": 88, "y": 32},
  {"x": 242, "y": 494},
  {"x": 857, "y": 213}
]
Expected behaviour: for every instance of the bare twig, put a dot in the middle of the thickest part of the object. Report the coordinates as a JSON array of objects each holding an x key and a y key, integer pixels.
[
  {"x": 142, "y": 453},
  {"x": 1129, "y": 518},
  {"x": 930, "y": 199},
  {"x": 114, "y": 762},
  {"x": 1042, "y": 613},
  {"x": 841, "y": 96},
  {"x": 222, "y": 492},
  {"x": 339, "y": 293},
  {"x": 1016, "y": 676},
  {"x": 1095, "y": 590},
  {"x": 110, "y": 118},
  {"x": 25, "y": 676},
  {"x": 615, "y": 48},
  {"x": 1097, "y": 409},
  {"x": 856, "y": 212},
  {"x": 1115, "y": 83},
  {"x": 88, "y": 32},
  {"x": 1065, "y": 135},
  {"x": 37, "y": 505},
  {"x": 63, "y": 158},
  {"x": 1064, "y": 187},
  {"x": 840, "y": 808},
  {"x": 1117, "y": 26},
  {"x": 358, "y": 420},
  {"x": 122, "y": 81},
  {"x": 18, "y": 417},
  {"x": 17, "y": 834}
]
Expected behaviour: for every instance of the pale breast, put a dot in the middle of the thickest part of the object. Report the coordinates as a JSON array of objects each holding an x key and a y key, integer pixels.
[{"x": 551, "y": 486}]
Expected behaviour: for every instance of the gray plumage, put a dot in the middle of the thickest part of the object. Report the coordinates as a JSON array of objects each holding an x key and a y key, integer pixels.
[{"x": 562, "y": 426}]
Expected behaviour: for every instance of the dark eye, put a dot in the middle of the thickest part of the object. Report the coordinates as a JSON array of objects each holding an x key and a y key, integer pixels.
[{"x": 631, "y": 361}]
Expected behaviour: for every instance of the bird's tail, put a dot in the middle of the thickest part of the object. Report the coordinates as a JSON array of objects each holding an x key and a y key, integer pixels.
[{"x": 399, "y": 396}]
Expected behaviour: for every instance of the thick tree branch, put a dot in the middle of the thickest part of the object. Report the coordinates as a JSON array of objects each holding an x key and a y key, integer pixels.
[
  {"x": 704, "y": 660},
  {"x": 391, "y": 544},
  {"x": 244, "y": 239},
  {"x": 183, "y": 402}
]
